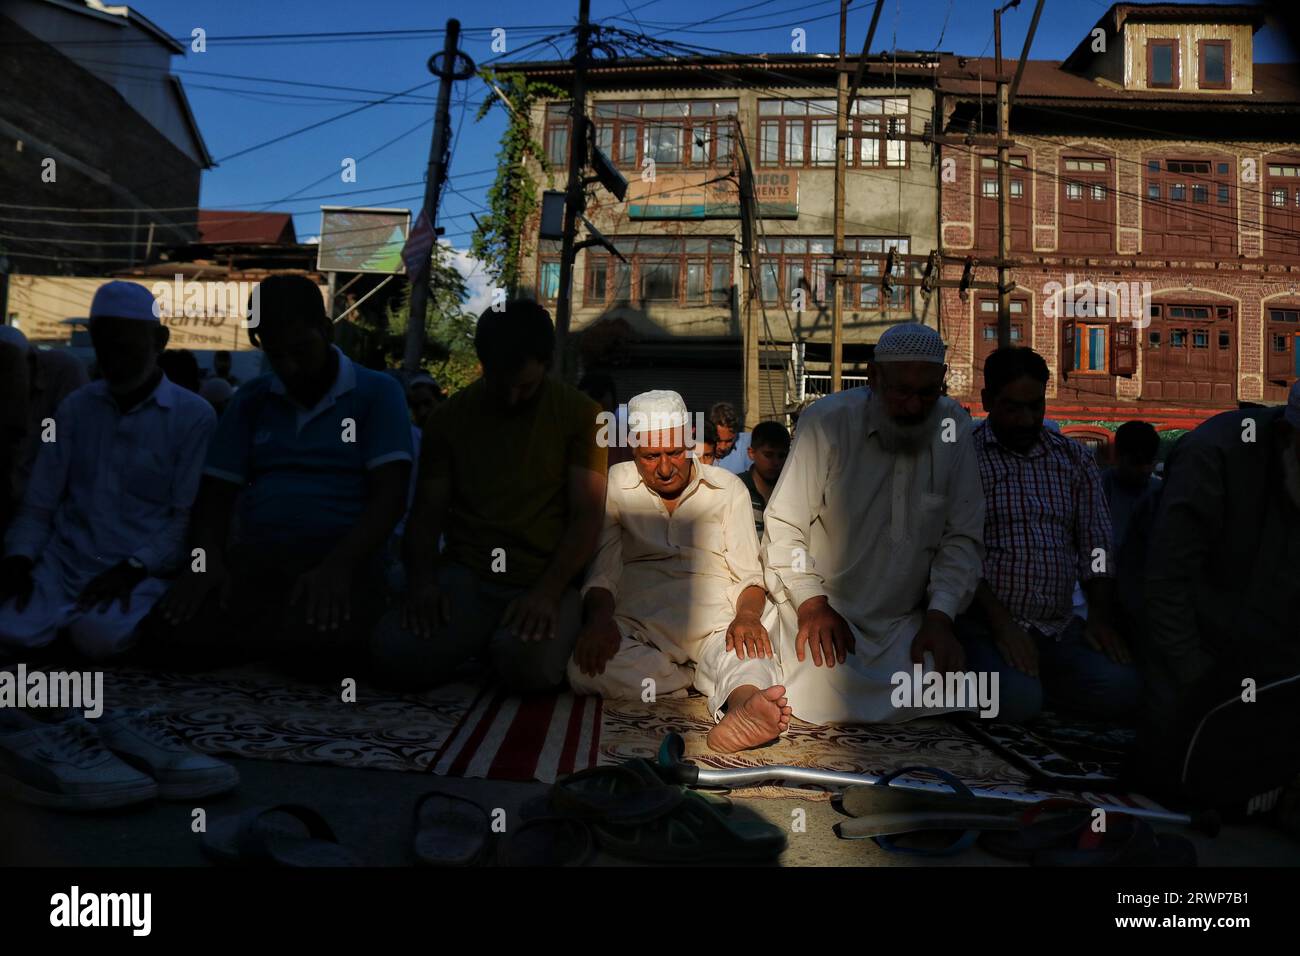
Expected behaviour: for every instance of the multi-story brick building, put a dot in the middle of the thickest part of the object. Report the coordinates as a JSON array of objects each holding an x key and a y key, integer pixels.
[
  {"x": 1155, "y": 217},
  {"x": 672, "y": 317},
  {"x": 1159, "y": 157}
]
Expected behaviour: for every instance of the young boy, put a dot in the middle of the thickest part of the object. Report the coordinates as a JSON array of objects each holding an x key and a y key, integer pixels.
[{"x": 768, "y": 448}]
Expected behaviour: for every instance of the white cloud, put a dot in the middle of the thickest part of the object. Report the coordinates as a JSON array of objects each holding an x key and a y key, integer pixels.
[{"x": 477, "y": 281}]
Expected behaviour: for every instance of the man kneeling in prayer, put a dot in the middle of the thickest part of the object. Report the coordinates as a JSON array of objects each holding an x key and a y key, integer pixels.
[
  {"x": 675, "y": 582},
  {"x": 872, "y": 539}
]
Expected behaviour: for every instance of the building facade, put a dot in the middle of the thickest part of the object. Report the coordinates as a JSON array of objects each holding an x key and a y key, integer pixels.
[
  {"x": 1154, "y": 213},
  {"x": 98, "y": 145},
  {"x": 681, "y": 133}
]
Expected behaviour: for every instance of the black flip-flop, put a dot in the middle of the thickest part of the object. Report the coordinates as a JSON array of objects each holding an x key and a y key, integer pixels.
[
  {"x": 450, "y": 830},
  {"x": 625, "y": 794},
  {"x": 286, "y": 834}
]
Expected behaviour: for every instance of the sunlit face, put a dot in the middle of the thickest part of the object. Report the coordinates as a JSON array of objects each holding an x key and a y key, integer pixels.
[
  {"x": 768, "y": 461},
  {"x": 663, "y": 462}
]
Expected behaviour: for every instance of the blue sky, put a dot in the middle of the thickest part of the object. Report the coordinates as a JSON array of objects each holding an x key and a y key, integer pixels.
[{"x": 284, "y": 176}]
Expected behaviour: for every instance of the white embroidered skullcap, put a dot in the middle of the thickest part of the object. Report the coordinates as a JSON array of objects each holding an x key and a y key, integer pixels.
[
  {"x": 910, "y": 342},
  {"x": 1292, "y": 413},
  {"x": 655, "y": 411}
]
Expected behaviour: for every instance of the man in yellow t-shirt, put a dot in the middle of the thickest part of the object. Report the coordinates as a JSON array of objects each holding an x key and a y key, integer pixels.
[{"x": 512, "y": 476}]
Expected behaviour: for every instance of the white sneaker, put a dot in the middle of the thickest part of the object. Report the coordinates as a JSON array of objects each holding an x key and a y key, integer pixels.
[
  {"x": 147, "y": 745},
  {"x": 64, "y": 766}
]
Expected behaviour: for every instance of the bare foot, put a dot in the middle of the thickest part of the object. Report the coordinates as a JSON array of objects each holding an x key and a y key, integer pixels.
[{"x": 760, "y": 717}]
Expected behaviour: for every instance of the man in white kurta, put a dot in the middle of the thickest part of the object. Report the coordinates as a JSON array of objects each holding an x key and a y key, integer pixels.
[
  {"x": 107, "y": 508},
  {"x": 675, "y": 593},
  {"x": 873, "y": 535}
]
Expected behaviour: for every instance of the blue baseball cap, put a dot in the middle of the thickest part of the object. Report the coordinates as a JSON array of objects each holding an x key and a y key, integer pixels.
[{"x": 124, "y": 300}]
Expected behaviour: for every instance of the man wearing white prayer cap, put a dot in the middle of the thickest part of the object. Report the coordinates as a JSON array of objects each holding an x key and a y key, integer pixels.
[
  {"x": 676, "y": 582},
  {"x": 872, "y": 540},
  {"x": 107, "y": 508}
]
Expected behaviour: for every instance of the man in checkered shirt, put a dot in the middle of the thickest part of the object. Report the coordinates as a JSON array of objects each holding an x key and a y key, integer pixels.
[{"x": 1046, "y": 525}]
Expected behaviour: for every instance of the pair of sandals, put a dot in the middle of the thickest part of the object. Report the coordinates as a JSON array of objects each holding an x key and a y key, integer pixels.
[
  {"x": 628, "y": 810},
  {"x": 1057, "y": 832}
]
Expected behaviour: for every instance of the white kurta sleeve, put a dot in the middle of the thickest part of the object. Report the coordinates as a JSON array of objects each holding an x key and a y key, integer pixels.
[
  {"x": 741, "y": 541},
  {"x": 166, "y": 551},
  {"x": 959, "y": 561},
  {"x": 795, "y": 504},
  {"x": 607, "y": 566}
]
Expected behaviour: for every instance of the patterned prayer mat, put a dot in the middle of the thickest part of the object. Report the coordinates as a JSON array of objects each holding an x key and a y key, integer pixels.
[
  {"x": 463, "y": 730},
  {"x": 252, "y": 713}
]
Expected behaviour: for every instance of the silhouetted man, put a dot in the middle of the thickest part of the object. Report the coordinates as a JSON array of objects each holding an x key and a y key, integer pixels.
[
  {"x": 511, "y": 472},
  {"x": 318, "y": 454},
  {"x": 108, "y": 505}
]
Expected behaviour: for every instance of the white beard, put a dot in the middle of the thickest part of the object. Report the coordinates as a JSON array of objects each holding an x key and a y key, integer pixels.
[{"x": 896, "y": 438}]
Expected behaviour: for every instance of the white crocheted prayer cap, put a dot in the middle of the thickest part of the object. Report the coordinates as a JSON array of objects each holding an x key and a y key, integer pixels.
[
  {"x": 657, "y": 410},
  {"x": 910, "y": 342}
]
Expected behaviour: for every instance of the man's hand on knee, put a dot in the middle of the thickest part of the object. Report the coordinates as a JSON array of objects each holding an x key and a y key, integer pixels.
[
  {"x": 937, "y": 637},
  {"x": 115, "y": 584},
  {"x": 1016, "y": 647},
  {"x": 191, "y": 588},
  {"x": 597, "y": 643},
  {"x": 426, "y": 608},
  {"x": 747, "y": 635},
  {"x": 532, "y": 615},
  {"x": 824, "y": 632}
]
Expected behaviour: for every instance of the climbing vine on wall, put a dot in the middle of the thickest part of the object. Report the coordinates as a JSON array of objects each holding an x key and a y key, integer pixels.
[{"x": 498, "y": 240}]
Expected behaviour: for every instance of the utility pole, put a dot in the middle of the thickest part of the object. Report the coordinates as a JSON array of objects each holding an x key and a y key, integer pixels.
[
  {"x": 1006, "y": 92},
  {"x": 1004, "y": 181},
  {"x": 844, "y": 98},
  {"x": 752, "y": 284},
  {"x": 837, "y": 261},
  {"x": 445, "y": 68},
  {"x": 575, "y": 201}
]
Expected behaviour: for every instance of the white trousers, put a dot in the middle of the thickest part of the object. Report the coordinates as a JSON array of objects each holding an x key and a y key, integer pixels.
[
  {"x": 717, "y": 672},
  {"x": 860, "y": 690},
  {"x": 53, "y": 606}
]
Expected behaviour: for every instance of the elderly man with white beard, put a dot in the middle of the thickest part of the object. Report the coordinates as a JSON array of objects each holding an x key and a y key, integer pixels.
[{"x": 873, "y": 537}]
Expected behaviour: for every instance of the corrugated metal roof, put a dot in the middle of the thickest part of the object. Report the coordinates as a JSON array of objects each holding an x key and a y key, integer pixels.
[
  {"x": 1276, "y": 85},
  {"x": 222, "y": 226}
]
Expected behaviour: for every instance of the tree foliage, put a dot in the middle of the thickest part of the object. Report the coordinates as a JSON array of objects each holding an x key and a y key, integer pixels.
[
  {"x": 513, "y": 199},
  {"x": 448, "y": 328}
]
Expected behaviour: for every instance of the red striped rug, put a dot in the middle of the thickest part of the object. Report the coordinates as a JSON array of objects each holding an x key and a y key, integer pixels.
[{"x": 505, "y": 737}]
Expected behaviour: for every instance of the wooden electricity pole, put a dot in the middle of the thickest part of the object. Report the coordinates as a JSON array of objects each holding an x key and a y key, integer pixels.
[
  {"x": 1006, "y": 92},
  {"x": 575, "y": 201},
  {"x": 453, "y": 66},
  {"x": 837, "y": 262},
  {"x": 844, "y": 99}
]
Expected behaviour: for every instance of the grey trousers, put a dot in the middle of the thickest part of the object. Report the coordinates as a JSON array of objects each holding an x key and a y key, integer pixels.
[{"x": 405, "y": 661}]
